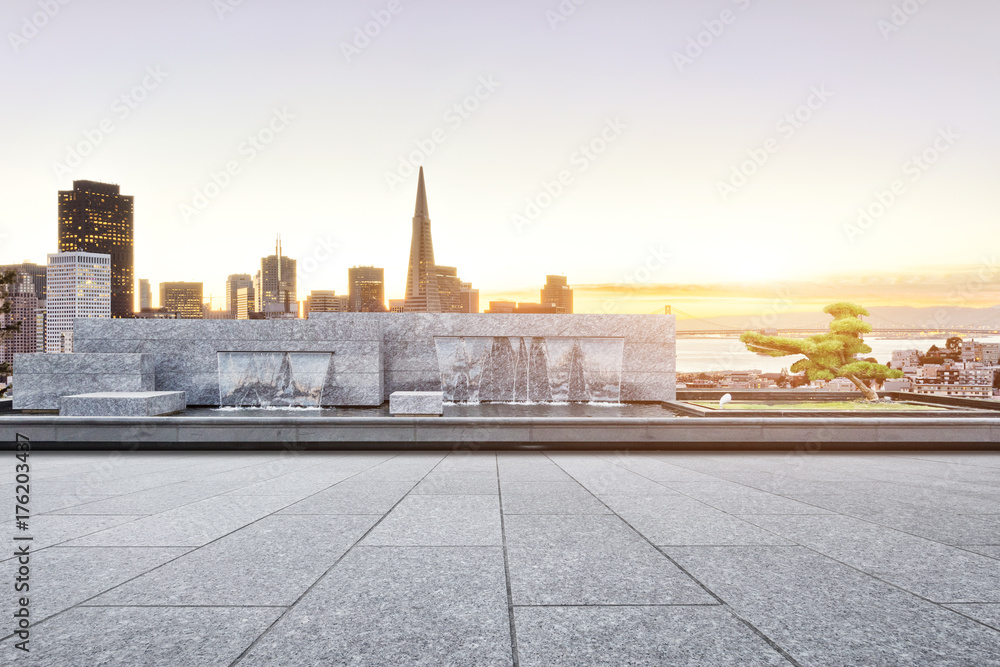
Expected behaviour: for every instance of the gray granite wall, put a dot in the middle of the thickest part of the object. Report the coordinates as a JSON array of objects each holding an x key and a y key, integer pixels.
[
  {"x": 648, "y": 361},
  {"x": 375, "y": 354},
  {"x": 186, "y": 352},
  {"x": 40, "y": 380}
]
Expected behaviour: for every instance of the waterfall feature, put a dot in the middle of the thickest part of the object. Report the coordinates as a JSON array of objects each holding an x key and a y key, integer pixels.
[
  {"x": 275, "y": 379},
  {"x": 549, "y": 369}
]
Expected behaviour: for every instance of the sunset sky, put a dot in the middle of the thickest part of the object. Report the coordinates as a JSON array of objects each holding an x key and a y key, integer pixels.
[{"x": 719, "y": 174}]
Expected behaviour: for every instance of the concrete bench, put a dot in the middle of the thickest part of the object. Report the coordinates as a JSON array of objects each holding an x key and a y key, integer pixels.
[
  {"x": 123, "y": 404},
  {"x": 416, "y": 403}
]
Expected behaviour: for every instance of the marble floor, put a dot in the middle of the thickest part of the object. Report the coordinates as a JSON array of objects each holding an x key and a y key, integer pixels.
[{"x": 529, "y": 559}]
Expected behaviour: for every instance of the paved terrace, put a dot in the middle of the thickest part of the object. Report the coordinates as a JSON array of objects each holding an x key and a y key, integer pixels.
[{"x": 532, "y": 559}]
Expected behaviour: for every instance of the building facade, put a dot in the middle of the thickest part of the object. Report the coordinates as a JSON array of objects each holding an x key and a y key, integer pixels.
[
  {"x": 23, "y": 314},
  {"x": 326, "y": 301},
  {"x": 97, "y": 218},
  {"x": 27, "y": 296},
  {"x": 558, "y": 293},
  {"x": 366, "y": 289},
  {"x": 275, "y": 286},
  {"x": 449, "y": 289},
  {"x": 145, "y": 295},
  {"x": 78, "y": 285},
  {"x": 469, "y": 299},
  {"x": 234, "y": 284},
  {"x": 30, "y": 276},
  {"x": 182, "y": 298}
]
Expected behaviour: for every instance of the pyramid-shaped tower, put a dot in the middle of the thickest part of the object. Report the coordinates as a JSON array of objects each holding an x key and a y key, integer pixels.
[{"x": 422, "y": 294}]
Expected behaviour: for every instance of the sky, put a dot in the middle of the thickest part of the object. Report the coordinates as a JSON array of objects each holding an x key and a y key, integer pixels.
[{"x": 710, "y": 154}]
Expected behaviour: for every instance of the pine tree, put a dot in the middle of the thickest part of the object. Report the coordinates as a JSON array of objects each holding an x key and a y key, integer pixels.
[{"x": 830, "y": 355}]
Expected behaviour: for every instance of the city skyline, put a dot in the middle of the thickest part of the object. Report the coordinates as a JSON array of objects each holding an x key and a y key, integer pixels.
[
  {"x": 964, "y": 286},
  {"x": 698, "y": 152}
]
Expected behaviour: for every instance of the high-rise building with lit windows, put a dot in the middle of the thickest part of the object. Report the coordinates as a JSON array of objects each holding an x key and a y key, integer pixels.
[
  {"x": 366, "y": 289},
  {"x": 185, "y": 299},
  {"x": 78, "y": 285},
  {"x": 275, "y": 284},
  {"x": 97, "y": 218}
]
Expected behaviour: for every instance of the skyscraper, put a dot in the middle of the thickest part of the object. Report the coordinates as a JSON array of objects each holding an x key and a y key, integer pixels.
[
  {"x": 145, "y": 295},
  {"x": 422, "y": 294},
  {"x": 29, "y": 274},
  {"x": 24, "y": 310},
  {"x": 78, "y": 285},
  {"x": 366, "y": 289},
  {"x": 97, "y": 218},
  {"x": 558, "y": 293},
  {"x": 274, "y": 285},
  {"x": 185, "y": 299},
  {"x": 234, "y": 284}
]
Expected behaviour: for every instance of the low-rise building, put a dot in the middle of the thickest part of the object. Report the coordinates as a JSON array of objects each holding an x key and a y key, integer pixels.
[{"x": 958, "y": 390}]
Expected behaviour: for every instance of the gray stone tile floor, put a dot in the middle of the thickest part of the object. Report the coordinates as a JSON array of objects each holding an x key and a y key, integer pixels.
[{"x": 514, "y": 558}]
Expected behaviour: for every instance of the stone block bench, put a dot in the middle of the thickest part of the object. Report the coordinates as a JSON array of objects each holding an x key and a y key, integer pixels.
[
  {"x": 41, "y": 380},
  {"x": 416, "y": 403},
  {"x": 123, "y": 404}
]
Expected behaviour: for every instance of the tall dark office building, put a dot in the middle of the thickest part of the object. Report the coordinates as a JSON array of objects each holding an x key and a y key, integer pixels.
[
  {"x": 366, "y": 289},
  {"x": 97, "y": 218}
]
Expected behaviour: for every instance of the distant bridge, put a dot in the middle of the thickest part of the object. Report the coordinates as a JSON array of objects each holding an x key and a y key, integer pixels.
[{"x": 943, "y": 333}]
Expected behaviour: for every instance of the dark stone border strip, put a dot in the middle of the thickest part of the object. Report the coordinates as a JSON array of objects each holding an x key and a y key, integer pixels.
[{"x": 758, "y": 433}]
